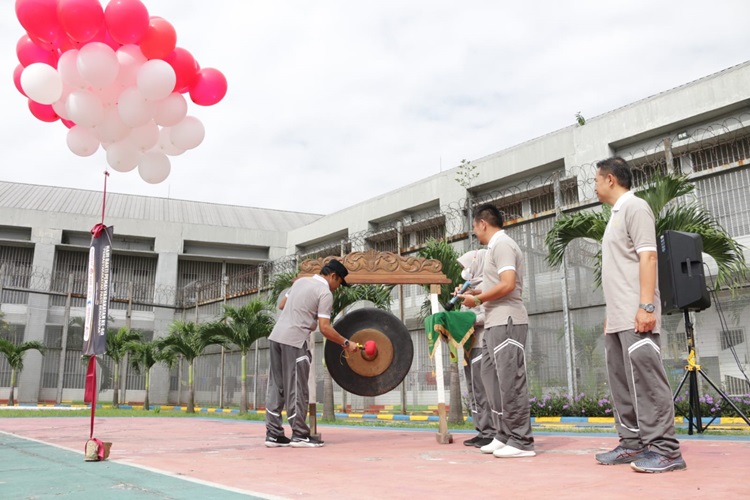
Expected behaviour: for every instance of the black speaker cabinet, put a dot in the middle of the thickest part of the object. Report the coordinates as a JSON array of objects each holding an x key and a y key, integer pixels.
[{"x": 682, "y": 284}]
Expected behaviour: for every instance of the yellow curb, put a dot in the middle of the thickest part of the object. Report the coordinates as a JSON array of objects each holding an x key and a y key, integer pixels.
[
  {"x": 601, "y": 420},
  {"x": 549, "y": 420}
]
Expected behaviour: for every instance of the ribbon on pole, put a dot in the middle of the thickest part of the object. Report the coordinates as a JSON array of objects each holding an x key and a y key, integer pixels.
[{"x": 455, "y": 327}]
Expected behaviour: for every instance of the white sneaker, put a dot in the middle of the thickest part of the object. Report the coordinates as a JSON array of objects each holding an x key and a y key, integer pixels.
[
  {"x": 513, "y": 452},
  {"x": 495, "y": 445}
]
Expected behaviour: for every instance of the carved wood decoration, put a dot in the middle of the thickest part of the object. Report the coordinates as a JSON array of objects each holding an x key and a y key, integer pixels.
[{"x": 382, "y": 268}]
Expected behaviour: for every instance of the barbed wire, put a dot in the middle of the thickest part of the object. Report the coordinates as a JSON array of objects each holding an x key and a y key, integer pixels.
[{"x": 697, "y": 151}]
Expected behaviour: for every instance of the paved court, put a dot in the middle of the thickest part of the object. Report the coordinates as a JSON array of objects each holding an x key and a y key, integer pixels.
[{"x": 213, "y": 458}]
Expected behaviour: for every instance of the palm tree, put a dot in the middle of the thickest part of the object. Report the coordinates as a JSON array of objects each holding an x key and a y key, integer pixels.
[
  {"x": 116, "y": 350},
  {"x": 241, "y": 327},
  {"x": 184, "y": 339},
  {"x": 662, "y": 195},
  {"x": 15, "y": 354},
  {"x": 442, "y": 251},
  {"x": 143, "y": 356}
]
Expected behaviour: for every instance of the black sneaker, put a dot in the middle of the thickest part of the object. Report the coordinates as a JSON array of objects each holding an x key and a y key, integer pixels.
[
  {"x": 482, "y": 442},
  {"x": 620, "y": 455},
  {"x": 473, "y": 441},
  {"x": 277, "y": 441},
  {"x": 306, "y": 442},
  {"x": 653, "y": 462}
]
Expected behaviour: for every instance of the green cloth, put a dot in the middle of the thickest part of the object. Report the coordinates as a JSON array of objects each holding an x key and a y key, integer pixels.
[{"x": 455, "y": 327}]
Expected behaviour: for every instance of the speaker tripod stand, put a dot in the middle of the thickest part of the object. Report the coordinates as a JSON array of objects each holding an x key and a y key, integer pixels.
[{"x": 692, "y": 369}]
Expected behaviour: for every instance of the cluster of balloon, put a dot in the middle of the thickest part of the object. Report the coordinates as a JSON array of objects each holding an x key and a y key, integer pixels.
[{"x": 116, "y": 78}]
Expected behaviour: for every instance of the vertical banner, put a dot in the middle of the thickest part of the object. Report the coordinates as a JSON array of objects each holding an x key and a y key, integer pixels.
[{"x": 97, "y": 293}]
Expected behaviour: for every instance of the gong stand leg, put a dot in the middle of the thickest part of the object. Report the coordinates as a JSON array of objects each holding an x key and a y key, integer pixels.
[{"x": 443, "y": 436}]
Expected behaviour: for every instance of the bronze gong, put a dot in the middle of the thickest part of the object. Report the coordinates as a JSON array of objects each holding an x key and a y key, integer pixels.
[{"x": 359, "y": 375}]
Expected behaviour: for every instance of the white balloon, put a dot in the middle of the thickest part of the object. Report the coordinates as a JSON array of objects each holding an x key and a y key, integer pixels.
[
  {"x": 165, "y": 143},
  {"x": 188, "y": 134},
  {"x": 84, "y": 108},
  {"x": 97, "y": 64},
  {"x": 131, "y": 59},
  {"x": 59, "y": 107},
  {"x": 41, "y": 83},
  {"x": 67, "y": 66},
  {"x": 123, "y": 156},
  {"x": 171, "y": 110},
  {"x": 109, "y": 95},
  {"x": 146, "y": 136},
  {"x": 111, "y": 128},
  {"x": 156, "y": 79},
  {"x": 82, "y": 141},
  {"x": 154, "y": 167},
  {"x": 134, "y": 109}
]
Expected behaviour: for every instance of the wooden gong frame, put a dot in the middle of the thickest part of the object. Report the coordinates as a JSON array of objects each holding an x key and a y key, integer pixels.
[{"x": 387, "y": 268}]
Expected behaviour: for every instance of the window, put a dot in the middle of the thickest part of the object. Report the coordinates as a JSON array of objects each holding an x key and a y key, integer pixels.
[
  {"x": 431, "y": 233},
  {"x": 731, "y": 338},
  {"x": 721, "y": 154}
]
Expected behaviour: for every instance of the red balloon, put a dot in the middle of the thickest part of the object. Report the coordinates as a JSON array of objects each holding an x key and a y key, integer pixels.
[
  {"x": 67, "y": 44},
  {"x": 126, "y": 20},
  {"x": 28, "y": 52},
  {"x": 17, "y": 79},
  {"x": 39, "y": 18},
  {"x": 209, "y": 87},
  {"x": 46, "y": 45},
  {"x": 67, "y": 123},
  {"x": 185, "y": 68},
  {"x": 160, "y": 39},
  {"x": 80, "y": 19},
  {"x": 43, "y": 112}
]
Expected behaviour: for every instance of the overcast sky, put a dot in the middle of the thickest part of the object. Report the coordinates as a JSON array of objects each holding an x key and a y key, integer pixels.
[{"x": 331, "y": 103}]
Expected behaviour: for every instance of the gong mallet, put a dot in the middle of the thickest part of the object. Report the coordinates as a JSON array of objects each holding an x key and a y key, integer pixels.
[
  {"x": 369, "y": 350},
  {"x": 452, "y": 303}
]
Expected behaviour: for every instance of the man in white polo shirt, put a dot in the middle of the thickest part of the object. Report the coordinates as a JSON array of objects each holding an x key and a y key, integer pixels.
[
  {"x": 642, "y": 399},
  {"x": 308, "y": 305},
  {"x": 506, "y": 326}
]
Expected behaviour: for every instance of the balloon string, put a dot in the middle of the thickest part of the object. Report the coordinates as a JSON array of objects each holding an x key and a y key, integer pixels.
[{"x": 97, "y": 229}]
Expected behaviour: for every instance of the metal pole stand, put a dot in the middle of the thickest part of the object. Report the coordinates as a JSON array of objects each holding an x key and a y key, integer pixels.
[{"x": 692, "y": 369}]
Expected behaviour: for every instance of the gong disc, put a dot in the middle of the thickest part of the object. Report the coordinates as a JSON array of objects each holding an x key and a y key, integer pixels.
[{"x": 385, "y": 371}]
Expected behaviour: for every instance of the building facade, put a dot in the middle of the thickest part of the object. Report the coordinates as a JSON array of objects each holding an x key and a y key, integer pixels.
[{"x": 181, "y": 260}]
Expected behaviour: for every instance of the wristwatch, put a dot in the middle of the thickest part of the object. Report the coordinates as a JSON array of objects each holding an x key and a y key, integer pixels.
[
  {"x": 346, "y": 343},
  {"x": 649, "y": 308},
  {"x": 477, "y": 301}
]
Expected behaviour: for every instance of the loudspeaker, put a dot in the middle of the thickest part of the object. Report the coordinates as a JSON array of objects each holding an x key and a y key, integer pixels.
[{"x": 682, "y": 284}]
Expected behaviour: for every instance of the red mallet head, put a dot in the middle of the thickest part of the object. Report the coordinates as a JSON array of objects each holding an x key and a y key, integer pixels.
[{"x": 370, "y": 348}]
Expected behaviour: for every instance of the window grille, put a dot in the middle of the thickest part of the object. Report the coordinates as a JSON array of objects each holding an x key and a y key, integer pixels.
[
  {"x": 18, "y": 269},
  {"x": 731, "y": 338},
  {"x": 721, "y": 154}
]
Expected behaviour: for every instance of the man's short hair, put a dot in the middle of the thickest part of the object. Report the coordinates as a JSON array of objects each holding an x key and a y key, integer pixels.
[
  {"x": 335, "y": 266},
  {"x": 490, "y": 214},
  {"x": 619, "y": 168}
]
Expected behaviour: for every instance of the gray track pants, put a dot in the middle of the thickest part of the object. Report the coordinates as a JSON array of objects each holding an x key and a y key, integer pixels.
[
  {"x": 481, "y": 414},
  {"x": 641, "y": 397},
  {"x": 288, "y": 374},
  {"x": 508, "y": 390}
]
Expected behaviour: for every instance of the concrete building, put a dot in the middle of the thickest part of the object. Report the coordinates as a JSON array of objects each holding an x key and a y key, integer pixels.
[{"x": 166, "y": 248}]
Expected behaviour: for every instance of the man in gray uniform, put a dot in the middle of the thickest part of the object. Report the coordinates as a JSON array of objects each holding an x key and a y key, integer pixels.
[
  {"x": 642, "y": 399},
  {"x": 481, "y": 413},
  {"x": 307, "y": 306},
  {"x": 506, "y": 330}
]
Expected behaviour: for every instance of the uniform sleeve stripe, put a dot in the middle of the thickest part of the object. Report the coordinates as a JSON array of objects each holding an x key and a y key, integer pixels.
[
  {"x": 506, "y": 268},
  {"x": 327, "y": 316},
  {"x": 645, "y": 249}
]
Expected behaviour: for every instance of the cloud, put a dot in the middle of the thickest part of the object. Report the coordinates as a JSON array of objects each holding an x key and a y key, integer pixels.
[{"x": 334, "y": 102}]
